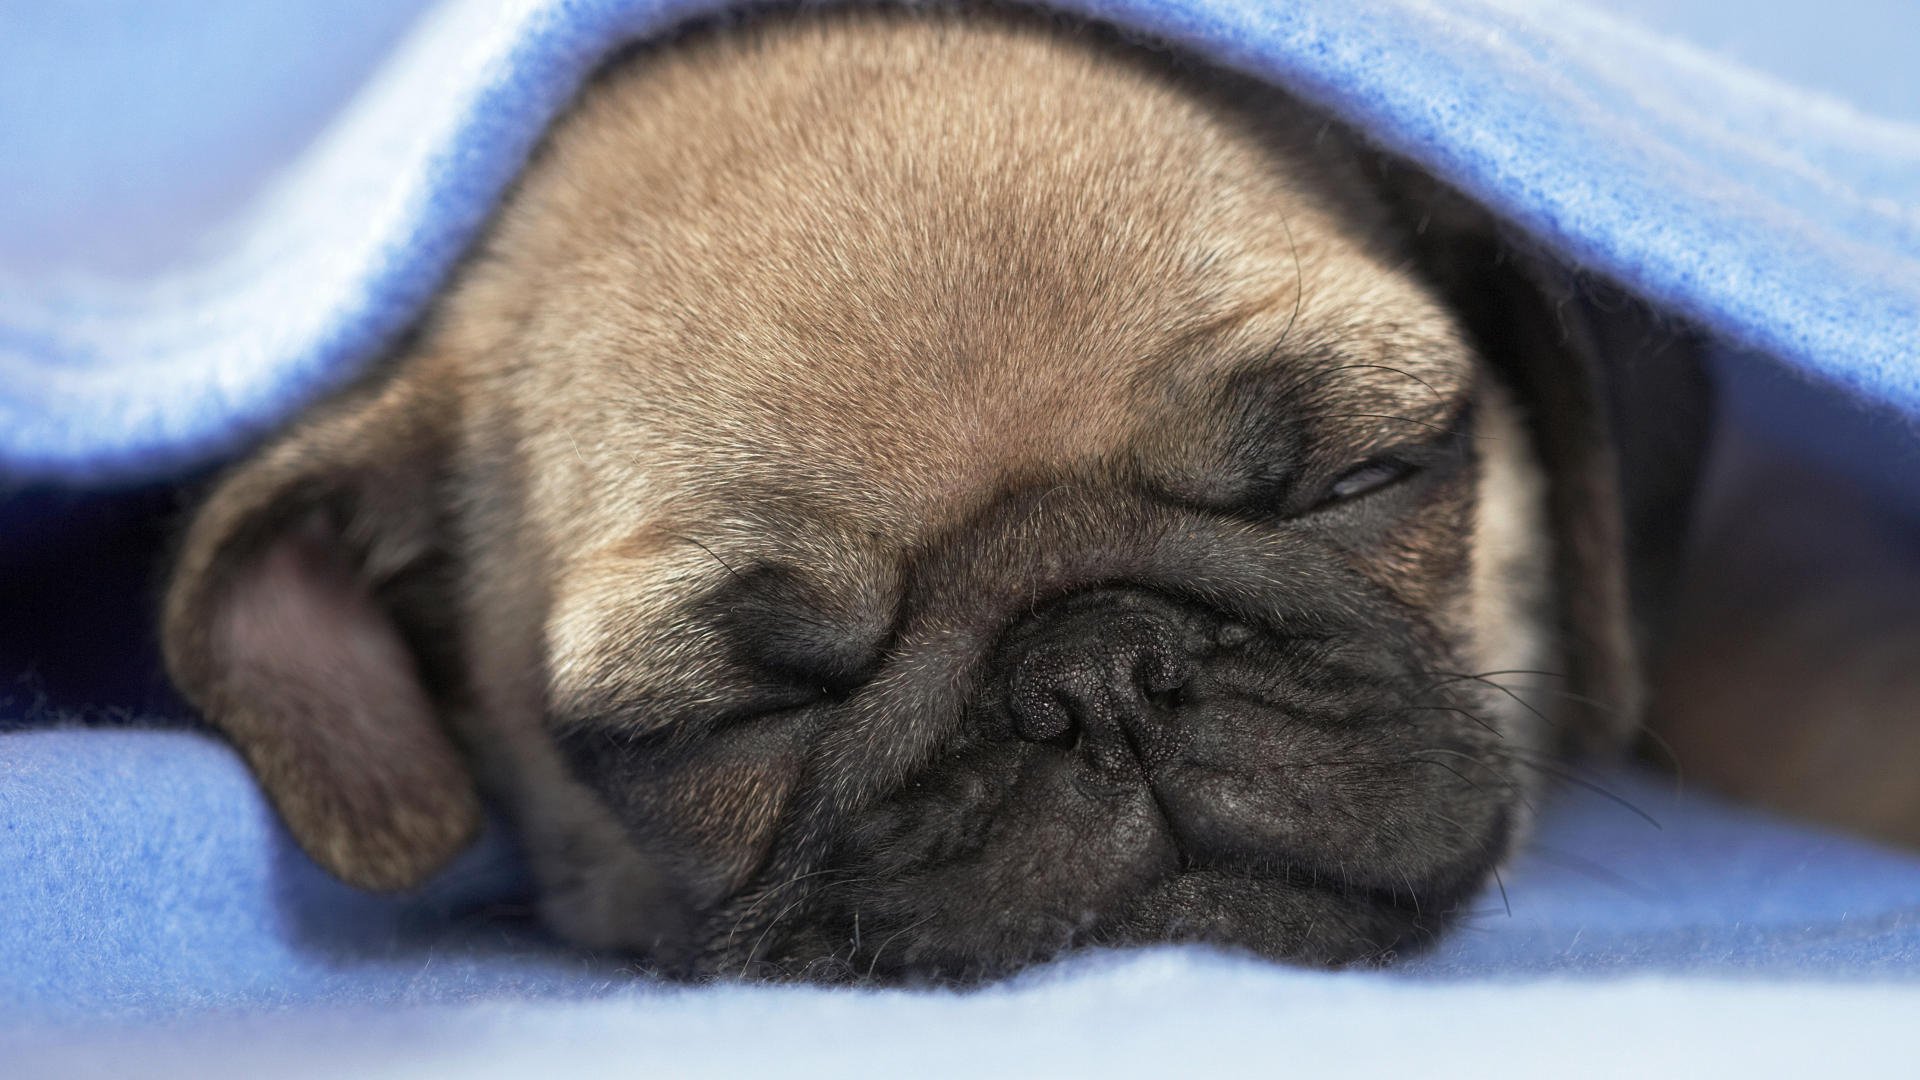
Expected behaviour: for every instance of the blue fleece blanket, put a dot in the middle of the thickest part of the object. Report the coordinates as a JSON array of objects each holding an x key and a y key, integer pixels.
[
  {"x": 1784, "y": 219},
  {"x": 216, "y": 209}
]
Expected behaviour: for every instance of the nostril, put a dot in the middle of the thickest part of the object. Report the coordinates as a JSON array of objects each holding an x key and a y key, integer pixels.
[
  {"x": 1162, "y": 671},
  {"x": 1040, "y": 715},
  {"x": 1051, "y": 693},
  {"x": 1159, "y": 675}
]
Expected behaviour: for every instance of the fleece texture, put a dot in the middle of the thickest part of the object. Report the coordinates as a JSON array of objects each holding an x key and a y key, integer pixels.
[
  {"x": 1783, "y": 219},
  {"x": 217, "y": 209},
  {"x": 155, "y": 896}
]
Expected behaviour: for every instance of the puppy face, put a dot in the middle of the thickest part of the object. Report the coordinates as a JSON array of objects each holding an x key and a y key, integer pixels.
[{"x": 909, "y": 494}]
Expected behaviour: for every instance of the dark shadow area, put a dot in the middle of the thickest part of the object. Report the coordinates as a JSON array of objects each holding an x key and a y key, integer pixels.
[{"x": 80, "y": 583}]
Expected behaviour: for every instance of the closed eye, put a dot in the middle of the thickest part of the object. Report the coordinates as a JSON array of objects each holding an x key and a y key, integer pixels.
[
  {"x": 804, "y": 648},
  {"x": 1364, "y": 479}
]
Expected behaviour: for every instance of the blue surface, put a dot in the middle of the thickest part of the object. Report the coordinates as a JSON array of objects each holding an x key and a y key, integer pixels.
[
  {"x": 1151, "y": 1016},
  {"x": 217, "y": 208},
  {"x": 178, "y": 905}
]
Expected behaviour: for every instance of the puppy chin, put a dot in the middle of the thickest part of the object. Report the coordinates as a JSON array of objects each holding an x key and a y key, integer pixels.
[
  {"x": 617, "y": 900},
  {"x": 1303, "y": 924}
]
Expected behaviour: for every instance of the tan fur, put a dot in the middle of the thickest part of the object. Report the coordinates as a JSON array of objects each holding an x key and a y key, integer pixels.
[
  {"x": 1510, "y": 575},
  {"x": 692, "y": 324}
]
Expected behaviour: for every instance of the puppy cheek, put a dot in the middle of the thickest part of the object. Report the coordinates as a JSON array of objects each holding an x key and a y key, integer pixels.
[
  {"x": 1509, "y": 605},
  {"x": 723, "y": 806},
  {"x": 1424, "y": 561}
]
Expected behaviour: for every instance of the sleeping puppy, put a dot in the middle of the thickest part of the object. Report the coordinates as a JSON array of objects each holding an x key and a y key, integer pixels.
[{"x": 904, "y": 494}]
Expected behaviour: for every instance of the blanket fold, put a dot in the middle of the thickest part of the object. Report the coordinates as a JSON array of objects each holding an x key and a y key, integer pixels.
[{"x": 1780, "y": 219}]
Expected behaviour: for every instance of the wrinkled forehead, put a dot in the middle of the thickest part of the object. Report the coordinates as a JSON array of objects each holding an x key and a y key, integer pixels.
[{"x": 789, "y": 291}]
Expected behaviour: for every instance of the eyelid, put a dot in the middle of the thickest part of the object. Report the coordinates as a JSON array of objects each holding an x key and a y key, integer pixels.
[
  {"x": 1387, "y": 469},
  {"x": 1367, "y": 477},
  {"x": 782, "y": 628},
  {"x": 1407, "y": 459}
]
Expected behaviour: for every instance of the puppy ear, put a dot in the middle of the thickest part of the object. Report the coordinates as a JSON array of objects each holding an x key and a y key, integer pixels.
[
  {"x": 290, "y": 622},
  {"x": 1618, "y": 407}
]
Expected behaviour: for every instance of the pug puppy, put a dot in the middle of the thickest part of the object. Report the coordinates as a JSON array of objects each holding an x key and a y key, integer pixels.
[{"x": 900, "y": 494}]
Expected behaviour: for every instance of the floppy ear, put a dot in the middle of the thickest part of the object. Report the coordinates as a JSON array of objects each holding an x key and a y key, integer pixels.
[
  {"x": 1618, "y": 407},
  {"x": 296, "y": 619}
]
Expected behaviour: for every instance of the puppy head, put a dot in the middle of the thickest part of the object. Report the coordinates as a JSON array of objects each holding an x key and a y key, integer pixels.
[{"x": 906, "y": 494}]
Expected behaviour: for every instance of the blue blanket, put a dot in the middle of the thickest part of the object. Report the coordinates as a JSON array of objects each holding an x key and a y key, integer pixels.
[
  {"x": 156, "y": 898},
  {"x": 217, "y": 209},
  {"x": 1782, "y": 218}
]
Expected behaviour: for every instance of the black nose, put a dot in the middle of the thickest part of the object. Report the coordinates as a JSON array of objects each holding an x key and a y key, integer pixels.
[{"x": 1104, "y": 668}]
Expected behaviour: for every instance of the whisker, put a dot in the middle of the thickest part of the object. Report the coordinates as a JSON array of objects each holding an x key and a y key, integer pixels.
[
  {"x": 1454, "y": 676},
  {"x": 1464, "y": 778},
  {"x": 710, "y": 554},
  {"x": 1461, "y": 754},
  {"x": 1504, "y": 902},
  {"x": 1512, "y": 789},
  {"x": 1526, "y": 671},
  {"x": 768, "y": 894},
  {"x": 803, "y": 898},
  {"x": 1332, "y": 371},
  {"x": 1571, "y": 777},
  {"x": 747, "y": 960},
  {"x": 1666, "y": 748},
  {"x": 1497, "y": 733},
  {"x": 1465, "y": 920},
  {"x": 1568, "y": 861},
  {"x": 874, "y": 965},
  {"x": 1441, "y": 428},
  {"x": 1567, "y": 695},
  {"x": 1299, "y": 280}
]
